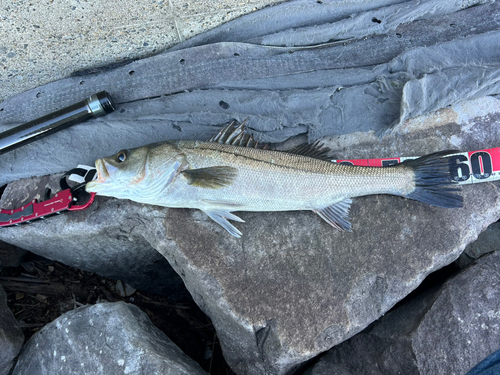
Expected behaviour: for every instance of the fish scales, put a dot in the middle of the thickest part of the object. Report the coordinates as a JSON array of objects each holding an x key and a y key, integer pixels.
[
  {"x": 220, "y": 177},
  {"x": 279, "y": 181}
]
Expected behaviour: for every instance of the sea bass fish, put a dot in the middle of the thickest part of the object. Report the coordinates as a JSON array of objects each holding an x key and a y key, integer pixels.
[{"x": 229, "y": 173}]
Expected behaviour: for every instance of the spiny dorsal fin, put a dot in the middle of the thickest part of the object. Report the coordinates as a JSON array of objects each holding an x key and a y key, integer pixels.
[
  {"x": 313, "y": 150},
  {"x": 337, "y": 215},
  {"x": 236, "y": 135},
  {"x": 212, "y": 177}
]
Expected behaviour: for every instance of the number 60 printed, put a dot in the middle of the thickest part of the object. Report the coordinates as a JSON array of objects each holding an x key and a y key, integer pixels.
[
  {"x": 465, "y": 167},
  {"x": 475, "y": 166}
]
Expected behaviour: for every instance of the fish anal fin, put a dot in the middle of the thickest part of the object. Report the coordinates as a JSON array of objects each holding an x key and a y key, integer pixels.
[
  {"x": 337, "y": 214},
  {"x": 211, "y": 177},
  {"x": 221, "y": 217},
  {"x": 314, "y": 150}
]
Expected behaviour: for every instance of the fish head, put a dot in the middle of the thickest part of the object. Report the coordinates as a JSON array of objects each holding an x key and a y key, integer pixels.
[{"x": 137, "y": 174}]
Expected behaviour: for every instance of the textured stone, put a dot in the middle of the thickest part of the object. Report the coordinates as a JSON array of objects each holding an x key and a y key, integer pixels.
[
  {"x": 10, "y": 256},
  {"x": 11, "y": 336},
  {"x": 107, "y": 338},
  {"x": 487, "y": 242},
  {"x": 340, "y": 88},
  {"x": 446, "y": 330},
  {"x": 293, "y": 287},
  {"x": 110, "y": 243}
]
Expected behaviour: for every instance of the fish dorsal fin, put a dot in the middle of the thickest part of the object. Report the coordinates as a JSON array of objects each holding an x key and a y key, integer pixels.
[
  {"x": 337, "y": 215},
  {"x": 314, "y": 150},
  {"x": 236, "y": 135},
  {"x": 212, "y": 177}
]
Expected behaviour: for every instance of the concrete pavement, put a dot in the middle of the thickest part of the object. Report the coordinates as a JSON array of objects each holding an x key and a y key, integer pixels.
[{"x": 47, "y": 40}]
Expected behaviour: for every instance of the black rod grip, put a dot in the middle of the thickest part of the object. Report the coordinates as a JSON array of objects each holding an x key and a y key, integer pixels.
[{"x": 96, "y": 105}]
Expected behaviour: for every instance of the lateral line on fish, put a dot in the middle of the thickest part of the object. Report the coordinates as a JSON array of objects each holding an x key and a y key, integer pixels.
[
  {"x": 286, "y": 182},
  {"x": 227, "y": 152}
]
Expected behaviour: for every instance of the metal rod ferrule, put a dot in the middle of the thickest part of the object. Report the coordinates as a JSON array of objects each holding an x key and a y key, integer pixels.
[{"x": 96, "y": 105}]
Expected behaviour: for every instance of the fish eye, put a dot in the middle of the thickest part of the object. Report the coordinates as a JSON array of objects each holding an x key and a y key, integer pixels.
[{"x": 121, "y": 156}]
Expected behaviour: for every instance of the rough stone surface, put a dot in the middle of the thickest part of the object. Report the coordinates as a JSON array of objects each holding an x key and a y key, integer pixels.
[
  {"x": 342, "y": 87},
  {"x": 11, "y": 336},
  {"x": 10, "y": 256},
  {"x": 46, "y": 41},
  {"x": 110, "y": 243},
  {"x": 293, "y": 287},
  {"x": 446, "y": 330},
  {"x": 107, "y": 338},
  {"x": 487, "y": 242}
]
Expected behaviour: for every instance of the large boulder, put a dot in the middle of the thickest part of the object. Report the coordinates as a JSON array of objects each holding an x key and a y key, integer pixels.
[
  {"x": 300, "y": 68},
  {"x": 10, "y": 256},
  {"x": 487, "y": 242},
  {"x": 11, "y": 336},
  {"x": 293, "y": 287},
  {"x": 110, "y": 243},
  {"x": 446, "y": 330},
  {"x": 107, "y": 338}
]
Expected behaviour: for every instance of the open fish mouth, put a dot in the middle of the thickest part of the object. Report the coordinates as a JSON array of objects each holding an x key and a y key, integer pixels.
[{"x": 102, "y": 172}]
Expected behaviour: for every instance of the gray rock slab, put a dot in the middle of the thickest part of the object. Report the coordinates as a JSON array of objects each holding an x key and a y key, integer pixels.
[
  {"x": 293, "y": 287},
  {"x": 446, "y": 330},
  {"x": 10, "y": 256},
  {"x": 487, "y": 242},
  {"x": 11, "y": 336},
  {"x": 111, "y": 244},
  {"x": 317, "y": 90},
  {"x": 107, "y": 338}
]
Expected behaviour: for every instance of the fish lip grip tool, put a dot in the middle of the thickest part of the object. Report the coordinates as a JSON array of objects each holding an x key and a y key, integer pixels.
[{"x": 68, "y": 199}]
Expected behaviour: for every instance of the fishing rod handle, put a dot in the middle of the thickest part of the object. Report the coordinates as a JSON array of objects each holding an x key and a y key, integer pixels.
[{"x": 96, "y": 105}]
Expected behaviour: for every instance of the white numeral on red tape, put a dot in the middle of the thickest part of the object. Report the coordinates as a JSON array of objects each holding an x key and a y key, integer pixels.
[{"x": 465, "y": 167}]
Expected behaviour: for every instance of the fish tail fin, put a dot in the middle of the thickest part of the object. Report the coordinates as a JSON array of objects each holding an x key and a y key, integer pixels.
[{"x": 433, "y": 180}]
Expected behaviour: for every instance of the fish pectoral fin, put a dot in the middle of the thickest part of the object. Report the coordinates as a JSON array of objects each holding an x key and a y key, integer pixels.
[
  {"x": 337, "y": 215},
  {"x": 212, "y": 177},
  {"x": 221, "y": 217}
]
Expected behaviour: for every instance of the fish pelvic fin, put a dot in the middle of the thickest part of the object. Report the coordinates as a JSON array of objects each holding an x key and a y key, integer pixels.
[
  {"x": 221, "y": 217},
  {"x": 212, "y": 177},
  {"x": 433, "y": 180},
  {"x": 337, "y": 215}
]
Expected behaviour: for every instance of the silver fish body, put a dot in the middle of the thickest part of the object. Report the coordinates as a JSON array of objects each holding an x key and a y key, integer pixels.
[
  {"x": 220, "y": 178},
  {"x": 277, "y": 181}
]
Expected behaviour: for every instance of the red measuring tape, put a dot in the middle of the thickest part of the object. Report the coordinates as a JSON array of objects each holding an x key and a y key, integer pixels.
[{"x": 465, "y": 167}]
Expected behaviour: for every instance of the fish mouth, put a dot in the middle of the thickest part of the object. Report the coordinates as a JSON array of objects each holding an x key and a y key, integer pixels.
[
  {"x": 102, "y": 171},
  {"x": 102, "y": 175}
]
